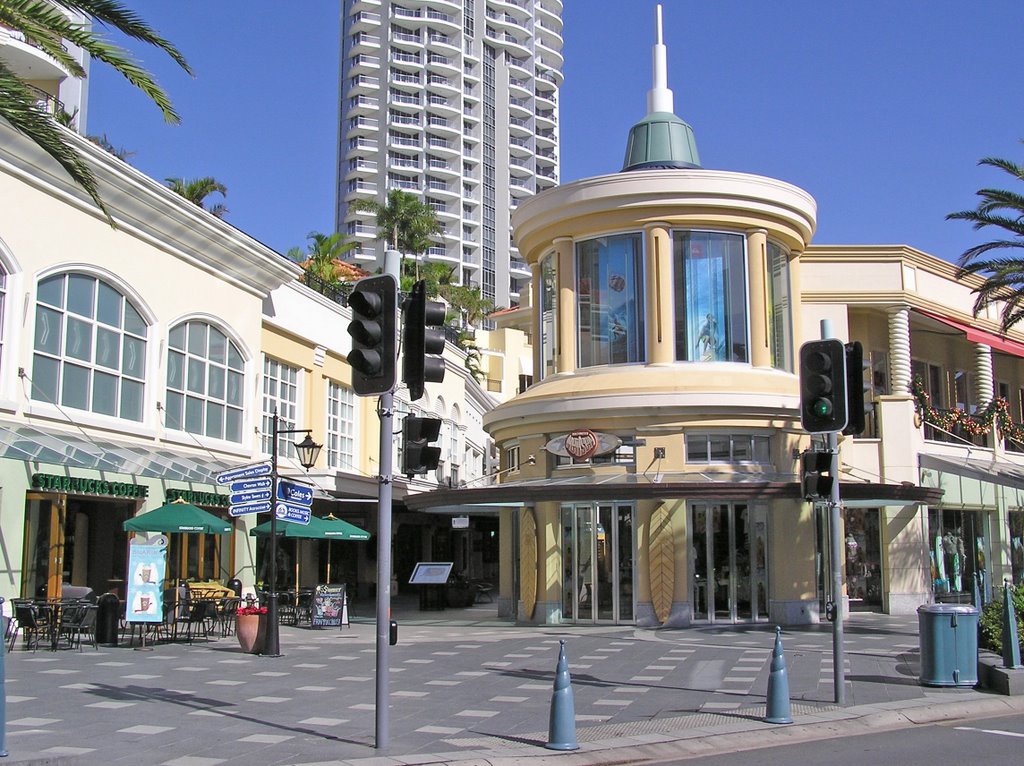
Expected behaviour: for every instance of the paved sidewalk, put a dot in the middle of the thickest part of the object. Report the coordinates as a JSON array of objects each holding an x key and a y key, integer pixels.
[{"x": 464, "y": 688}]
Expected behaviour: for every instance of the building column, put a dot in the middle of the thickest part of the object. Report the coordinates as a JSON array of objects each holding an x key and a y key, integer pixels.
[
  {"x": 984, "y": 387},
  {"x": 658, "y": 316},
  {"x": 899, "y": 349},
  {"x": 757, "y": 267},
  {"x": 565, "y": 360}
]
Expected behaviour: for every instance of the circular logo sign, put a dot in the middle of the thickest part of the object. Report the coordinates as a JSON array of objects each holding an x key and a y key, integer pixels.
[{"x": 581, "y": 444}]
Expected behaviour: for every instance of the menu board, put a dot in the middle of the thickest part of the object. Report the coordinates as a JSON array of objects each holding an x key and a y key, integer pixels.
[
  {"x": 146, "y": 564},
  {"x": 330, "y": 607},
  {"x": 431, "y": 573}
]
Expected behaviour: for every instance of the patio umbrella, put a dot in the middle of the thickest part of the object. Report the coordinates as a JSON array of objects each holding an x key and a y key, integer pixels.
[
  {"x": 326, "y": 528},
  {"x": 317, "y": 529},
  {"x": 178, "y": 516}
]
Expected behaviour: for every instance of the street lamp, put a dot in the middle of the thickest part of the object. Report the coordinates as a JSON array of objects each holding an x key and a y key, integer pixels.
[{"x": 308, "y": 452}]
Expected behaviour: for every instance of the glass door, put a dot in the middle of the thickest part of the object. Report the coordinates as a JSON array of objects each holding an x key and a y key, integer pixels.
[
  {"x": 44, "y": 545},
  {"x": 597, "y": 556},
  {"x": 728, "y": 552}
]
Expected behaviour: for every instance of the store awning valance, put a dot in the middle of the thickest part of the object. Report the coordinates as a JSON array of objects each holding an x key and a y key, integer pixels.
[
  {"x": 975, "y": 335},
  {"x": 987, "y": 470}
]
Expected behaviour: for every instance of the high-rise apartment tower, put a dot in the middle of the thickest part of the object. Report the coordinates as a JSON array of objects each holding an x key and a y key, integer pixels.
[{"x": 455, "y": 101}]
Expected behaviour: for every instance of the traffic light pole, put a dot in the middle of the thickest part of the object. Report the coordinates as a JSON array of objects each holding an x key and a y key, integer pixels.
[
  {"x": 392, "y": 260},
  {"x": 835, "y": 552}
]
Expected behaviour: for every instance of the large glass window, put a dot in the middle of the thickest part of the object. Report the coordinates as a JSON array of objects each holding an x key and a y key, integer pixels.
[
  {"x": 280, "y": 395},
  {"x": 548, "y": 314},
  {"x": 90, "y": 347},
  {"x": 205, "y": 374},
  {"x": 780, "y": 324},
  {"x": 610, "y": 294},
  {"x": 341, "y": 424},
  {"x": 711, "y": 298},
  {"x": 3, "y": 306}
]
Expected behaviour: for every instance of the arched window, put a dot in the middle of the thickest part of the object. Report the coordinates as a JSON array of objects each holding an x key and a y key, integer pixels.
[
  {"x": 90, "y": 347},
  {"x": 205, "y": 375}
]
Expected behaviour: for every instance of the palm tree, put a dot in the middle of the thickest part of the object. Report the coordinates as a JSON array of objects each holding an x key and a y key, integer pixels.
[
  {"x": 323, "y": 256},
  {"x": 404, "y": 222},
  {"x": 46, "y": 25},
  {"x": 1003, "y": 273},
  {"x": 196, "y": 190}
]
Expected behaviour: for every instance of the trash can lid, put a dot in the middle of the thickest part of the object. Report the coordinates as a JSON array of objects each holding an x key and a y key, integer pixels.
[{"x": 947, "y": 609}]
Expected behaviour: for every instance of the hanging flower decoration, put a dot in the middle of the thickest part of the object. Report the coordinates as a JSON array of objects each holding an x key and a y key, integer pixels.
[{"x": 995, "y": 414}]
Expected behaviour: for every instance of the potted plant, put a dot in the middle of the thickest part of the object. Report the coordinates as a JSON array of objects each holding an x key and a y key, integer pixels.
[{"x": 250, "y": 628}]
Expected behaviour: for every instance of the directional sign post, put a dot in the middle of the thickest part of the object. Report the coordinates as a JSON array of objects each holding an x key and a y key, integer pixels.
[
  {"x": 245, "y": 472},
  {"x": 296, "y": 494},
  {"x": 244, "y": 508}
]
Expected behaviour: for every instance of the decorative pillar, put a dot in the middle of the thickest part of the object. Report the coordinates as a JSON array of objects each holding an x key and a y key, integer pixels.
[
  {"x": 757, "y": 266},
  {"x": 536, "y": 320},
  {"x": 658, "y": 316},
  {"x": 566, "y": 359},
  {"x": 984, "y": 387},
  {"x": 899, "y": 349}
]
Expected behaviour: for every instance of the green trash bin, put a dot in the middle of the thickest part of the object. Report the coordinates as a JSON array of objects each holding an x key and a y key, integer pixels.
[{"x": 949, "y": 644}]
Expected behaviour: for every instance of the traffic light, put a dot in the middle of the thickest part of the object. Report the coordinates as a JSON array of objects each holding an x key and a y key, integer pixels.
[
  {"x": 823, "y": 386},
  {"x": 421, "y": 340},
  {"x": 373, "y": 302},
  {"x": 855, "y": 389},
  {"x": 417, "y": 454},
  {"x": 814, "y": 484}
]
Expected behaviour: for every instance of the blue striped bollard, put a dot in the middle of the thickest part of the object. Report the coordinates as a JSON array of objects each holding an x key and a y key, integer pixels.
[
  {"x": 562, "y": 721},
  {"x": 777, "y": 710}
]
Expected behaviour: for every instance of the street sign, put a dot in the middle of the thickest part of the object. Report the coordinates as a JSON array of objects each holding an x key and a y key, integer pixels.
[
  {"x": 244, "y": 472},
  {"x": 238, "y": 498},
  {"x": 249, "y": 485},
  {"x": 293, "y": 513},
  {"x": 244, "y": 508},
  {"x": 296, "y": 494}
]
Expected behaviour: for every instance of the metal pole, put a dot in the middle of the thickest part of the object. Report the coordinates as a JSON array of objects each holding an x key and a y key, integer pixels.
[
  {"x": 392, "y": 262},
  {"x": 271, "y": 641},
  {"x": 835, "y": 554}
]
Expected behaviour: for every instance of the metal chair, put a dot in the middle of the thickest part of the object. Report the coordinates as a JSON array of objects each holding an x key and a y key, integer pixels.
[
  {"x": 30, "y": 626},
  {"x": 80, "y": 624}
]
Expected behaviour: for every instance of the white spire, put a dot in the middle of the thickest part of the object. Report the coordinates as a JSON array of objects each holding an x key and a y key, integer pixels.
[{"x": 659, "y": 97}]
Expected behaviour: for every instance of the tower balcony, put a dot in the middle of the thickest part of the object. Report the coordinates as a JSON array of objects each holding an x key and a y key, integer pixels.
[
  {"x": 363, "y": 21},
  {"x": 26, "y": 59}
]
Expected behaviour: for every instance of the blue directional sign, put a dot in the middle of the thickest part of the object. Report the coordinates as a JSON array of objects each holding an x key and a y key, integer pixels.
[
  {"x": 294, "y": 513},
  {"x": 244, "y": 508},
  {"x": 249, "y": 485},
  {"x": 252, "y": 496},
  {"x": 244, "y": 472},
  {"x": 296, "y": 494}
]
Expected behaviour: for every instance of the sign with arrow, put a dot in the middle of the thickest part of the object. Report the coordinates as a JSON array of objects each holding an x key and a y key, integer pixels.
[
  {"x": 244, "y": 472},
  {"x": 244, "y": 508},
  {"x": 296, "y": 494},
  {"x": 294, "y": 513}
]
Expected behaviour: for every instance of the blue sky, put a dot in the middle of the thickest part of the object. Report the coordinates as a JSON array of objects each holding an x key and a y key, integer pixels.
[{"x": 879, "y": 109}]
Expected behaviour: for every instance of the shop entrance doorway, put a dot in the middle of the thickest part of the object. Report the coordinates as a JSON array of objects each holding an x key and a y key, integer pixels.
[
  {"x": 728, "y": 554},
  {"x": 597, "y": 559},
  {"x": 71, "y": 540}
]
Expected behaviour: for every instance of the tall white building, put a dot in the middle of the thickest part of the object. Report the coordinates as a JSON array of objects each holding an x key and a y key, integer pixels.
[{"x": 455, "y": 101}]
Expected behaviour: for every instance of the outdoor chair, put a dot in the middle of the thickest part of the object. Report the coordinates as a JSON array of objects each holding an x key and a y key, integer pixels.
[
  {"x": 80, "y": 624},
  {"x": 483, "y": 591},
  {"x": 198, "y": 619},
  {"x": 227, "y": 611},
  {"x": 30, "y": 626}
]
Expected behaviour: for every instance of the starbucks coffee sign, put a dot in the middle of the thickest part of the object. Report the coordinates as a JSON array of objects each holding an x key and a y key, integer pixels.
[
  {"x": 583, "y": 444},
  {"x": 76, "y": 485}
]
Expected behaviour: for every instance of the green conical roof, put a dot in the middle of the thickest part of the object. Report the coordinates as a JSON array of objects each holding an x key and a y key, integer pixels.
[{"x": 661, "y": 140}]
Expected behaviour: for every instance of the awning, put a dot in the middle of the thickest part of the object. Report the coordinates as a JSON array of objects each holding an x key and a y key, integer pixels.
[
  {"x": 997, "y": 342},
  {"x": 74, "y": 449},
  {"x": 992, "y": 471},
  {"x": 660, "y": 486},
  {"x": 178, "y": 516}
]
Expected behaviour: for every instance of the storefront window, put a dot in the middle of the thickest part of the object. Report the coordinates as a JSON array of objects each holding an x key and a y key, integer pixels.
[
  {"x": 90, "y": 347},
  {"x": 780, "y": 324},
  {"x": 1016, "y": 520},
  {"x": 958, "y": 550},
  {"x": 205, "y": 371},
  {"x": 710, "y": 297},
  {"x": 548, "y": 314},
  {"x": 610, "y": 298}
]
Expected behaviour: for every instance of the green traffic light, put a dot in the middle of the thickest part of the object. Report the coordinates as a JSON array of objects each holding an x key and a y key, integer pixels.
[{"x": 822, "y": 408}]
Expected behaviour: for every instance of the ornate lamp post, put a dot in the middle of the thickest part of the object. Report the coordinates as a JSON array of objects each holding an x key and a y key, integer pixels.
[{"x": 308, "y": 451}]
